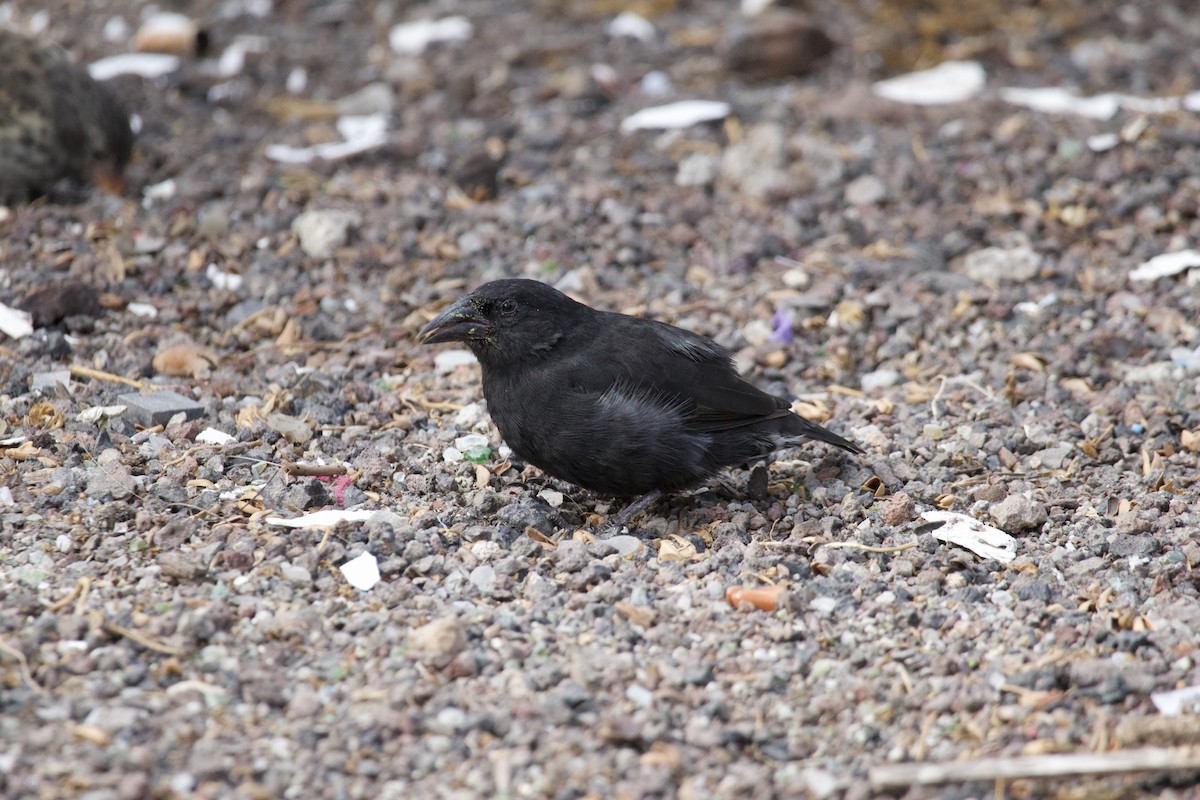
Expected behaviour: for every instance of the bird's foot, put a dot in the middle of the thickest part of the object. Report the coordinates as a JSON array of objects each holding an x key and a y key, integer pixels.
[{"x": 633, "y": 509}]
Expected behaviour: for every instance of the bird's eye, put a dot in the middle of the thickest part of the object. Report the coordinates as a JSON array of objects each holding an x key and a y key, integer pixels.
[{"x": 507, "y": 307}]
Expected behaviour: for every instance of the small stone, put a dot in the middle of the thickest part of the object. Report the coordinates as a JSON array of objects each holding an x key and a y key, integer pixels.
[
  {"x": 304, "y": 702},
  {"x": 295, "y": 574},
  {"x": 1124, "y": 545},
  {"x": 476, "y": 174},
  {"x": 994, "y": 266},
  {"x": 624, "y": 544},
  {"x": 52, "y": 304},
  {"x": 323, "y": 231},
  {"x": 290, "y": 428},
  {"x": 438, "y": 642},
  {"x": 698, "y": 169},
  {"x": 184, "y": 567},
  {"x": 880, "y": 379},
  {"x": 898, "y": 510},
  {"x": 483, "y": 577},
  {"x": 1017, "y": 514},
  {"x": 114, "y": 719},
  {"x": 571, "y": 556},
  {"x": 1130, "y": 524},
  {"x": 778, "y": 44},
  {"x": 865, "y": 190}
]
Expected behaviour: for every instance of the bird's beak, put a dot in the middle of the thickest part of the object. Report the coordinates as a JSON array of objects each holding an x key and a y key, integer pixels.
[{"x": 459, "y": 323}]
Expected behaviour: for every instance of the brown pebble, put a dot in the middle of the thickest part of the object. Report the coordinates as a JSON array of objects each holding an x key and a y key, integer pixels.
[
  {"x": 52, "y": 304},
  {"x": 898, "y": 510},
  {"x": 777, "y": 44}
]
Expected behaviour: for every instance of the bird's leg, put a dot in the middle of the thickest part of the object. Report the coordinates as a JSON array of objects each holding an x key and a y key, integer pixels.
[{"x": 636, "y": 507}]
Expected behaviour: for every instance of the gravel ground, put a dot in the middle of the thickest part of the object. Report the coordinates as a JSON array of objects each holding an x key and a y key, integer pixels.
[{"x": 948, "y": 285}]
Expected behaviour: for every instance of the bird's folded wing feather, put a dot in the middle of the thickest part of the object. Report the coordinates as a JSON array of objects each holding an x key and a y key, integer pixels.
[{"x": 690, "y": 374}]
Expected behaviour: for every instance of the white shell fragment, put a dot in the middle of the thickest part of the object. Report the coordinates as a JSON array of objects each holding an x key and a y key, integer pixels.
[
  {"x": 1177, "y": 701},
  {"x": 15, "y": 323},
  {"x": 410, "y": 38},
  {"x": 361, "y": 572},
  {"x": 167, "y": 32},
  {"x": 142, "y": 310},
  {"x": 682, "y": 114},
  {"x": 144, "y": 65},
  {"x": 326, "y": 518},
  {"x": 1166, "y": 265},
  {"x": 214, "y": 436},
  {"x": 632, "y": 25},
  {"x": 982, "y": 540},
  {"x": 1101, "y": 142},
  {"x": 361, "y": 135},
  {"x": 96, "y": 413},
  {"x": 950, "y": 82},
  {"x": 1056, "y": 100},
  {"x": 220, "y": 279}
]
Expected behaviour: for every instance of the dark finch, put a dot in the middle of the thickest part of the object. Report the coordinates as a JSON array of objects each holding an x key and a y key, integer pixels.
[
  {"x": 616, "y": 404},
  {"x": 57, "y": 125}
]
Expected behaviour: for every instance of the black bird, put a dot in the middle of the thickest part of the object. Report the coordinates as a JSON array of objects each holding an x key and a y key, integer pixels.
[
  {"x": 616, "y": 404},
  {"x": 57, "y": 125}
]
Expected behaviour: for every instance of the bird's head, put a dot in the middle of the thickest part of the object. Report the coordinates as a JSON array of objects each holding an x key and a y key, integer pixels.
[{"x": 506, "y": 321}]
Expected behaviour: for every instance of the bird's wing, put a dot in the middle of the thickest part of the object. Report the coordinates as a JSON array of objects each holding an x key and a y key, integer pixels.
[{"x": 690, "y": 374}]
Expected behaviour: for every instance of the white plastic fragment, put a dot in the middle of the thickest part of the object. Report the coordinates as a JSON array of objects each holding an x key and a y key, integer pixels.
[
  {"x": 982, "y": 540},
  {"x": 6, "y": 498},
  {"x": 682, "y": 114},
  {"x": 1101, "y": 142},
  {"x": 1185, "y": 358},
  {"x": 15, "y": 323},
  {"x": 214, "y": 436},
  {"x": 452, "y": 455},
  {"x": 450, "y": 360},
  {"x": 1166, "y": 265},
  {"x": 1056, "y": 100},
  {"x": 96, "y": 413},
  {"x": 465, "y": 443},
  {"x": 752, "y": 8},
  {"x": 297, "y": 80},
  {"x": 360, "y": 135},
  {"x": 142, "y": 310},
  {"x": 144, "y": 65},
  {"x": 553, "y": 498},
  {"x": 632, "y": 25},
  {"x": 1150, "y": 105},
  {"x": 11, "y": 441},
  {"x": 325, "y": 518},
  {"x": 949, "y": 82},
  {"x": 233, "y": 58},
  {"x": 220, "y": 279},
  {"x": 411, "y": 38},
  {"x": 361, "y": 572},
  {"x": 163, "y": 190},
  {"x": 1177, "y": 701}
]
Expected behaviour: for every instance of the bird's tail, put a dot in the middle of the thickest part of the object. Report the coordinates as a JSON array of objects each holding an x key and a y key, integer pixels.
[{"x": 799, "y": 426}]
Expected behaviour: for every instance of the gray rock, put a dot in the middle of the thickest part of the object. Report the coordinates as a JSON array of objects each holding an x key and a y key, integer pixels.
[
  {"x": 571, "y": 556},
  {"x": 1124, "y": 545},
  {"x": 1017, "y": 514}
]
